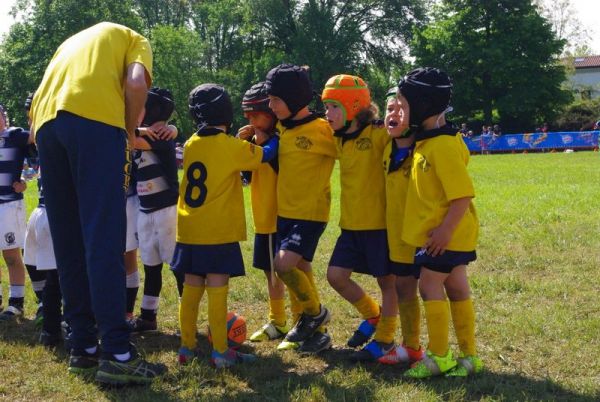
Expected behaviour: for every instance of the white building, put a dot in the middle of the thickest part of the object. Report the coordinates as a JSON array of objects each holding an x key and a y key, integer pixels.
[{"x": 586, "y": 77}]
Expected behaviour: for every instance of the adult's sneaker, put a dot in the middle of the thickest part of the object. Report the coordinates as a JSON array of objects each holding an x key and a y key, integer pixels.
[
  {"x": 363, "y": 334},
  {"x": 230, "y": 358},
  {"x": 308, "y": 325},
  {"x": 269, "y": 332},
  {"x": 11, "y": 313},
  {"x": 467, "y": 365},
  {"x": 83, "y": 363},
  {"x": 317, "y": 343},
  {"x": 135, "y": 370},
  {"x": 431, "y": 366},
  {"x": 139, "y": 325}
]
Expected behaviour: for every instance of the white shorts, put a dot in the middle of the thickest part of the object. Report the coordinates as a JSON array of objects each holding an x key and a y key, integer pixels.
[
  {"x": 38, "y": 242},
  {"x": 157, "y": 235},
  {"x": 133, "y": 206},
  {"x": 12, "y": 224}
]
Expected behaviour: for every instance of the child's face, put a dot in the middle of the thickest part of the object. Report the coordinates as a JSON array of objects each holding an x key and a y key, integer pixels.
[
  {"x": 334, "y": 115},
  {"x": 279, "y": 107},
  {"x": 262, "y": 121},
  {"x": 396, "y": 116}
]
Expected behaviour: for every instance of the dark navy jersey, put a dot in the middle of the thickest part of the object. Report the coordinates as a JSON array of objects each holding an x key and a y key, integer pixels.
[
  {"x": 156, "y": 176},
  {"x": 13, "y": 147}
]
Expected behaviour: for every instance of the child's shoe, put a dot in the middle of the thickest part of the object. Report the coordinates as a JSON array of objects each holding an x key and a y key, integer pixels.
[
  {"x": 269, "y": 332},
  {"x": 186, "y": 356},
  {"x": 230, "y": 358},
  {"x": 372, "y": 352},
  {"x": 431, "y": 365},
  {"x": 402, "y": 355},
  {"x": 365, "y": 331},
  {"x": 287, "y": 345},
  {"x": 466, "y": 366},
  {"x": 317, "y": 343}
]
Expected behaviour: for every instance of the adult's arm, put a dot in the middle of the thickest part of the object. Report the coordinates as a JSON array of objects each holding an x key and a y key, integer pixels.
[{"x": 136, "y": 90}]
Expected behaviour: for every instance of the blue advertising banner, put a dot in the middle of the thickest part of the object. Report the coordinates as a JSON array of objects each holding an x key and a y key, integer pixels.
[{"x": 533, "y": 141}]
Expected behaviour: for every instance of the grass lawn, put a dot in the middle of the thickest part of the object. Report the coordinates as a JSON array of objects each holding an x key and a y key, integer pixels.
[{"x": 536, "y": 286}]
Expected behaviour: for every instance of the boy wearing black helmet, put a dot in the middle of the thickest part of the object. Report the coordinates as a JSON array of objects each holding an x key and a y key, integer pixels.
[
  {"x": 263, "y": 191},
  {"x": 306, "y": 157},
  {"x": 440, "y": 220},
  {"x": 157, "y": 187},
  {"x": 211, "y": 220}
]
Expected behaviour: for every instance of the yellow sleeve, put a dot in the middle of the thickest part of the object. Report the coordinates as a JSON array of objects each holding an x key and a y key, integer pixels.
[
  {"x": 245, "y": 155},
  {"x": 451, "y": 169},
  {"x": 324, "y": 143},
  {"x": 139, "y": 51}
]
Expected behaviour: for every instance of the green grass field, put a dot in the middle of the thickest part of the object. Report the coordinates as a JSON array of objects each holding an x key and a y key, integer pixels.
[{"x": 536, "y": 286}]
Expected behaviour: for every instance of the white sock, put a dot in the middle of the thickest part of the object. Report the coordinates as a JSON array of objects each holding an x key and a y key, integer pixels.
[
  {"x": 150, "y": 302},
  {"x": 17, "y": 291},
  {"x": 133, "y": 280},
  {"x": 38, "y": 286}
]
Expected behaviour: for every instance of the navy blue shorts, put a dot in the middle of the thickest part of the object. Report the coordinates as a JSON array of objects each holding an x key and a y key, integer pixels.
[
  {"x": 363, "y": 251},
  {"x": 261, "y": 258},
  {"x": 202, "y": 259},
  {"x": 446, "y": 262},
  {"x": 404, "y": 269},
  {"x": 299, "y": 236}
]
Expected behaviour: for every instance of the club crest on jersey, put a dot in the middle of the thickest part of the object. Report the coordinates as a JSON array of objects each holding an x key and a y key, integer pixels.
[
  {"x": 10, "y": 238},
  {"x": 423, "y": 164},
  {"x": 364, "y": 144},
  {"x": 303, "y": 143}
]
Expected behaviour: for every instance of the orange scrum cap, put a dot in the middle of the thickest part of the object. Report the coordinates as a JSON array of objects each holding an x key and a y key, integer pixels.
[{"x": 349, "y": 92}]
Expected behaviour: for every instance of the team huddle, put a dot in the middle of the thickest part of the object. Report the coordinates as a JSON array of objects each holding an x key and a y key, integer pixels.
[{"x": 407, "y": 217}]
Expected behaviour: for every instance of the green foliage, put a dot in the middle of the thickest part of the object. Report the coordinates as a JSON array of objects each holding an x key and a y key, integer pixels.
[
  {"x": 501, "y": 54},
  {"x": 580, "y": 115}
]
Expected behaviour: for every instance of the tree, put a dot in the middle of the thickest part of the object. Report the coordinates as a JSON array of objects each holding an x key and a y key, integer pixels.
[
  {"x": 502, "y": 56},
  {"x": 566, "y": 26}
]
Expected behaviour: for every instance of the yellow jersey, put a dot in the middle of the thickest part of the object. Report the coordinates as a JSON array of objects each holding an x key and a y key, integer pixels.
[
  {"x": 87, "y": 73},
  {"x": 263, "y": 192},
  {"x": 396, "y": 188},
  {"x": 439, "y": 175},
  {"x": 307, "y": 154},
  {"x": 362, "y": 201},
  {"x": 210, "y": 209}
]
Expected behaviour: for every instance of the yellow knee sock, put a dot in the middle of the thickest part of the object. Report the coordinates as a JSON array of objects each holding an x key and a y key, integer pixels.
[
  {"x": 437, "y": 314},
  {"x": 463, "y": 317},
  {"x": 311, "y": 278},
  {"x": 295, "y": 306},
  {"x": 299, "y": 283},
  {"x": 386, "y": 329},
  {"x": 277, "y": 311},
  {"x": 410, "y": 320},
  {"x": 367, "y": 307},
  {"x": 188, "y": 314},
  {"x": 217, "y": 317}
]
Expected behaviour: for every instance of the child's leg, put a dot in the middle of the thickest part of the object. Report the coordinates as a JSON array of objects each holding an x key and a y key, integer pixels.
[
  {"x": 276, "y": 290},
  {"x": 386, "y": 327},
  {"x": 132, "y": 280},
  {"x": 38, "y": 281},
  {"x": 461, "y": 306},
  {"x": 52, "y": 303},
  {"x": 437, "y": 312},
  {"x": 16, "y": 277},
  {"x": 193, "y": 289},
  {"x": 217, "y": 286},
  {"x": 295, "y": 279},
  {"x": 152, "y": 288},
  {"x": 339, "y": 279},
  {"x": 409, "y": 311}
]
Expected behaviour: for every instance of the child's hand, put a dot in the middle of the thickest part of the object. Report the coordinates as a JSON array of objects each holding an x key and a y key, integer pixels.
[
  {"x": 438, "y": 240},
  {"x": 20, "y": 186},
  {"x": 245, "y": 133},
  {"x": 147, "y": 132},
  {"x": 164, "y": 131},
  {"x": 260, "y": 137}
]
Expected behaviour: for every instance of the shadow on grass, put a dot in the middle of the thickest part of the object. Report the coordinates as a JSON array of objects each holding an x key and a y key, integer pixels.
[{"x": 331, "y": 376}]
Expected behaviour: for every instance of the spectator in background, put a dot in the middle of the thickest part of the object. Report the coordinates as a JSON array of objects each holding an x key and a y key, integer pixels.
[
  {"x": 464, "y": 130},
  {"x": 496, "y": 131}
]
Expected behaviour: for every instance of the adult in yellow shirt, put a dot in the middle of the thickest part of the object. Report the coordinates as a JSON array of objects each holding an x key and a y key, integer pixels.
[
  {"x": 85, "y": 108},
  {"x": 440, "y": 220},
  {"x": 307, "y": 154}
]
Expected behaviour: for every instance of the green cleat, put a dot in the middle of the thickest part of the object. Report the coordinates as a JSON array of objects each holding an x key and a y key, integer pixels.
[
  {"x": 269, "y": 332},
  {"x": 466, "y": 366},
  {"x": 431, "y": 366}
]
